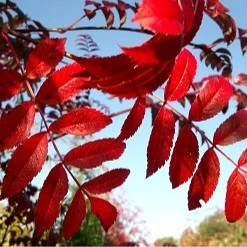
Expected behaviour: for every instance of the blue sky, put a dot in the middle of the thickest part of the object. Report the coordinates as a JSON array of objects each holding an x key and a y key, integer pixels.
[{"x": 164, "y": 209}]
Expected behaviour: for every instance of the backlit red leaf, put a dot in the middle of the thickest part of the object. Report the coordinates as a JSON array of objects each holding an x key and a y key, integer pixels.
[
  {"x": 104, "y": 210},
  {"x": 181, "y": 77},
  {"x": 93, "y": 154},
  {"x": 106, "y": 66},
  {"x": 134, "y": 119},
  {"x": 153, "y": 52},
  {"x": 189, "y": 14},
  {"x": 120, "y": 78},
  {"x": 142, "y": 82},
  {"x": 184, "y": 157},
  {"x": 242, "y": 161},
  {"x": 205, "y": 180},
  {"x": 160, "y": 142},
  {"x": 236, "y": 196},
  {"x": 63, "y": 84},
  {"x": 142, "y": 70},
  {"x": 161, "y": 16},
  {"x": 46, "y": 55},
  {"x": 211, "y": 99},
  {"x": 75, "y": 215},
  {"x": 52, "y": 193},
  {"x": 197, "y": 19},
  {"x": 83, "y": 121},
  {"x": 11, "y": 82},
  {"x": 107, "y": 181},
  {"x": 15, "y": 125},
  {"x": 25, "y": 164},
  {"x": 232, "y": 130}
]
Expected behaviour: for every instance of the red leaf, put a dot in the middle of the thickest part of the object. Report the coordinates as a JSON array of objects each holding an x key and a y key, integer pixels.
[
  {"x": 84, "y": 121},
  {"x": 141, "y": 83},
  {"x": 205, "y": 180},
  {"x": 134, "y": 119},
  {"x": 232, "y": 130},
  {"x": 124, "y": 77},
  {"x": 242, "y": 161},
  {"x": 63, "y": 84},
  {"x": 11, "y": 82},
  {"x": 75, "y": 215},
  {"x": 189, "y": 14},
  {"x": 107, "y": 181},
  {"x": 160, "y": 16},
  {"x": 160, "y": 141},
  {"x": 241, "y": 79},
  {"x": 181, "y": 77},
  {"x": 93, "y": 154},
  {"x": 211, "y": 99},
  {"x": 104, "y": 210},
  {"x": 153, "y": 52},
  {"x": 25, "y": 164},
  {"x": 52, "y": 193},
  {"x": 198, "y": 14},
  {"x": 46, "y": 55},
  {"x": 15, "y": 126},
  {"x": 184, "y": 157},
  {"x": 106, "y": 66},
  {"x": 236, "y": 196}
]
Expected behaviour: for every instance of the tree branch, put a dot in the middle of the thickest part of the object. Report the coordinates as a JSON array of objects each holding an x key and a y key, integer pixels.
[{"x": 102, "y": 28}]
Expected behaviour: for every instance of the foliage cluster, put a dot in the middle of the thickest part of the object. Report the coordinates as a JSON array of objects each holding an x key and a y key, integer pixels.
[{"x": 35, "y": 88}]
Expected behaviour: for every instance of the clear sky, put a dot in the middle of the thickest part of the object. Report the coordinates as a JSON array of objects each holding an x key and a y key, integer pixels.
[{"x": 164, "y": 209}]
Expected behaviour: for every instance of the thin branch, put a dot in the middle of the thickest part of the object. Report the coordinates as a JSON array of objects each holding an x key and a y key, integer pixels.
[{"x": 102, "y": 28}]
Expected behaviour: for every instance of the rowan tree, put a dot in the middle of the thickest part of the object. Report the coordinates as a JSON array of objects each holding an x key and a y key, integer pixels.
[{"x": 38, "y": 89}]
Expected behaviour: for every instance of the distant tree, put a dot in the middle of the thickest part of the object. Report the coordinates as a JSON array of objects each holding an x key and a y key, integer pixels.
[
  {"x": 129, "y": 228},
  {"x": 166, "y": 241},
  {"x": 91, "y": 234},
  {"x": 215, "y": 231}
]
